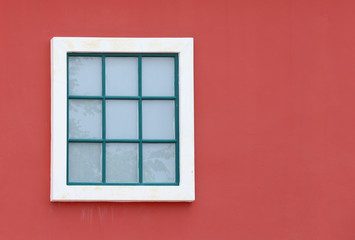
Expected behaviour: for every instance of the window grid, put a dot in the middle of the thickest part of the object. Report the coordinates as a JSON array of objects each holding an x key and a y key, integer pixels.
[{"x": 140, "y": 99}]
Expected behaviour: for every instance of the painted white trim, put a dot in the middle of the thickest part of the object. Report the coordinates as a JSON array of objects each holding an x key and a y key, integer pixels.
[{"x": 60, "y": 46}]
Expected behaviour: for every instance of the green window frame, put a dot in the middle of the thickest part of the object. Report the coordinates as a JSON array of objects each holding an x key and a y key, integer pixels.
[{"x": 140, "y": 98}]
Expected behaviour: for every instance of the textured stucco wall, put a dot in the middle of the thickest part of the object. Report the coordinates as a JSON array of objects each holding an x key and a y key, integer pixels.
[{"x": 274, "y": 119}]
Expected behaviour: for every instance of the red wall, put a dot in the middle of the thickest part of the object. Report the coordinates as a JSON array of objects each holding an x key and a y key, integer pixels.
[{"x": 274, "y": 115}]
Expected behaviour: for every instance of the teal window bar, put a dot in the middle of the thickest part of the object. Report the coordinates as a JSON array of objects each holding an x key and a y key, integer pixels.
[{"x": 140, "y": 99}]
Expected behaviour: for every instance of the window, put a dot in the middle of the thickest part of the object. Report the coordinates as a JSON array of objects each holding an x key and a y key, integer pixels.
[
  {"x": 122, "y": 119},
  {"x": 122, "y": 112}
]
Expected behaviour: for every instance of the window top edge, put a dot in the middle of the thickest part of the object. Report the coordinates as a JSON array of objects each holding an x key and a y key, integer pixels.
[{"x": 118, "y": 38}]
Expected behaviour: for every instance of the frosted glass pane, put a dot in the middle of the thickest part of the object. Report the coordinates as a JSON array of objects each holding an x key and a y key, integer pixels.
[
  {"x": 85, "y": 76},
  {"x": 85, "y": 118},
  {"x": 121, "y": 76},
  {"x": 158, "y": 162},
  {"x": 158, "y": 119},
  {"x": 121, "y": 119},
  {"x": 122, "y": 162},
  {"x": 85, "y": 163},
  {"x": 158, "y": 76}
]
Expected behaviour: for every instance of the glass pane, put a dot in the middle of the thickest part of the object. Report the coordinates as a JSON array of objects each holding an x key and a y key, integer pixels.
[
  {"x": 121, "y": 76},
  {"x": 85, "y": 118},
  {"x": 158, "y": 162},
  {"x": 121, "y": 119},
  {"x": 85, "y": 163},
  {"x": 158, "y": 76},
  {"x": 158, "y": 119},
  {"x": 85, "y": 76},
  {"x": 122, "y": 162}
]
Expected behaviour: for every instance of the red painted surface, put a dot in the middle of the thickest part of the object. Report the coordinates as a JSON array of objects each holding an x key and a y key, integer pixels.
[{"x": 274, "y": 109}]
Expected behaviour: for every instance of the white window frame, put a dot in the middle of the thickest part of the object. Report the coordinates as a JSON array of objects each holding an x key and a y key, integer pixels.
[{"x": 60, "y": 191}]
